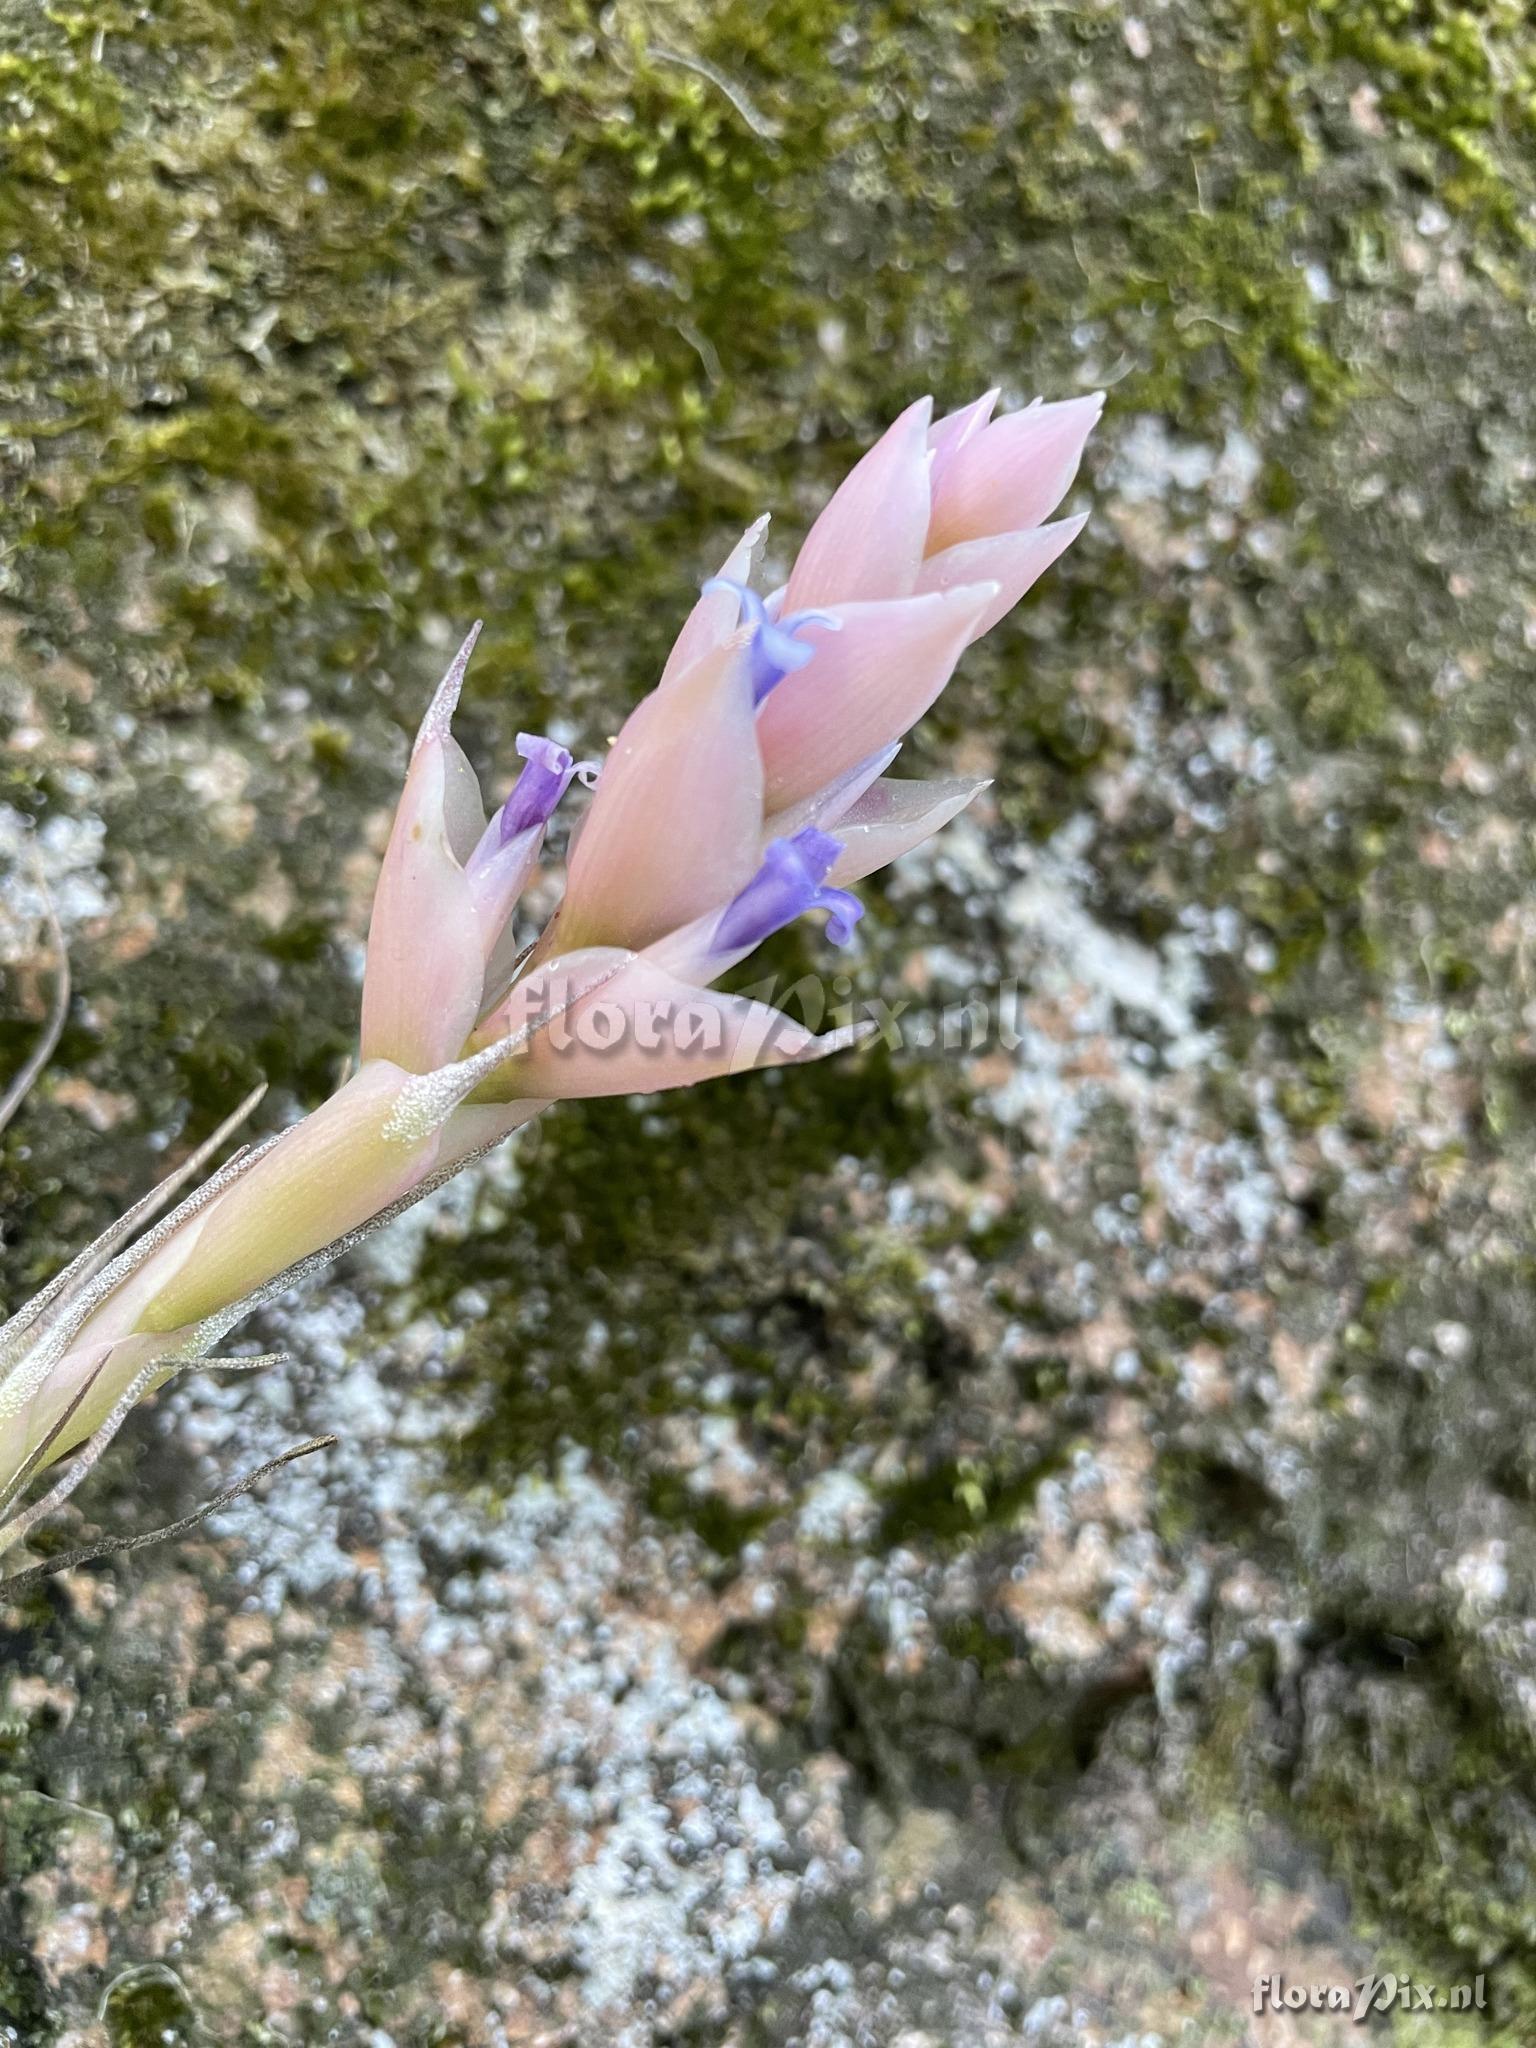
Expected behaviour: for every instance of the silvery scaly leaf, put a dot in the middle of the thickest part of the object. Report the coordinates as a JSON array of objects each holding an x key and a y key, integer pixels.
[
  {"x": 30, "y": 1345},
  {"x": 147, "y": 1381},
  {"x": 85, "y": 1265}
]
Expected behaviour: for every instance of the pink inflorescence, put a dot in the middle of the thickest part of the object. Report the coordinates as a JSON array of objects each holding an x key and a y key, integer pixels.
[{"x": 746, "y": 790}]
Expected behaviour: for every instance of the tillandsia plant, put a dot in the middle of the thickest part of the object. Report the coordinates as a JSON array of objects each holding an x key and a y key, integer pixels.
[{"x": 747, "y": 789}]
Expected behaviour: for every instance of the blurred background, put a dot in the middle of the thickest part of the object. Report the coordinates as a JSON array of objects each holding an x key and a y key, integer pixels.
[{"x": 950, "y": 1545}]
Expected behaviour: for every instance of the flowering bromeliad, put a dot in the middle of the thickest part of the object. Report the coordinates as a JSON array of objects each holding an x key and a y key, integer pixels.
[{"x": 747, "y": 789}]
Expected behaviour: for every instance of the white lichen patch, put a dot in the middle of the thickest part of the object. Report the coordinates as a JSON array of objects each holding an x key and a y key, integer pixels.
[
  {"x": 838, "y": 1507},
  {"x": 66, "y": 852},
  {"x": 655, "y": 1855}
]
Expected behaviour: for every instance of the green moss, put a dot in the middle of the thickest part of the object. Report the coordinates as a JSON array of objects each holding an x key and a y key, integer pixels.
[
  {"x": 1461, "y": 77},
  {"x": 150, "y": 2009},
  {"x": 726, "y": 1529},
  {"x": 1410, "y": 1758},
  {"x": 972, "y": 1639},
  {"x": 1203, "y": 1495},
  {"x": 955, "y": 1500},
  {"x": 29, "y": 1835},
  {"x": 1344, "y": 703}
]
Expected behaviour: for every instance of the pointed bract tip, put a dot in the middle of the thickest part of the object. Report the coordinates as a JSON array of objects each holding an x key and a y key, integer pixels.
[
  {"x": 914, "y": 419},
  {"x": 843, "y": 1039},
  {"x": 953, "y": 429},
  {"x": 445, "y": 698}
]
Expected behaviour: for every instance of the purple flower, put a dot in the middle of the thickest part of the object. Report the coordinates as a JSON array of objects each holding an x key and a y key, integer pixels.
[
  {"x": 789, "y": 883},
  {"x": 773, "y": 651},
  {"x": 544, "y": 780}
]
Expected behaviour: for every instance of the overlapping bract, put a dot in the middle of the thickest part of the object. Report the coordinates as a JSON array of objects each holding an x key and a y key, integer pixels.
[{"x": 748, "y": 788}]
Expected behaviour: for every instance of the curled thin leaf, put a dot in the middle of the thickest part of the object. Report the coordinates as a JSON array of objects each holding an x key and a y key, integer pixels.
[
  {"x": 22, "y": 1084},
  {"x": 153, "y": 1376},
  {"x": 20, "y": 1582}
]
